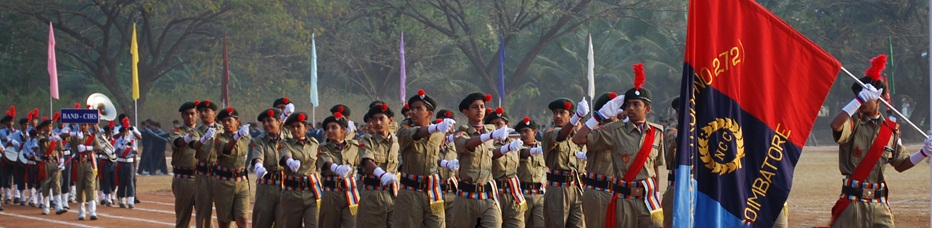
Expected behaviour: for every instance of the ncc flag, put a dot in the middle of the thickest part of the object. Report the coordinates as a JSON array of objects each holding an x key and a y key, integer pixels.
[{"x": 752, "y": 88}]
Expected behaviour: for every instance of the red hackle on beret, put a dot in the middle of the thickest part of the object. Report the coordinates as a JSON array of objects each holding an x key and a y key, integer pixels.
[
  {"x": 877, "y": 65},
  {"x": 638, "y": 75},
  {"x": 488, "y": 97}
]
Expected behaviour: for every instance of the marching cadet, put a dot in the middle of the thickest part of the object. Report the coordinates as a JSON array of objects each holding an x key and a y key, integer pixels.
[
  {"x": 476, "y": 202},
  {"x": 268, "y": 173},
  {"x": 636, "y": 146},
  {"x": 33, "y": 182},
  {"x": 300, "y": 200},
  {"x": 49, "y": 154},
  {"x": 126, "y": 166},
  {"x": 866, "y": 143},
  {"x": 106, "y": 162},
  {"x": 135, "y": 136},
  {"x": 448, "y": 176},
  {"x": 231, "y": 190},
  {"x": 420, "y": 200},
  {"x": 600, "y": 169},
  {"x": 6, "y": 165},
  {"x": 65, "y": 132},
  {"x": 345, "y": 111},
  {"x": 563, "y": 199},
  {"x": 184, "y": 186},
  {"x": 505, "y": 173},
  {"x": 379, "y": 154},
  {"x": 531, "y": 172},
  {"x": 18, "y": 139},
  {"x": 338, "y": 157},
  {"x": 285, "y": 106},
  {"x": 202, "y": 141},
  {"x": 85, "y": 144},
  {"x": 669, "y": 157}
]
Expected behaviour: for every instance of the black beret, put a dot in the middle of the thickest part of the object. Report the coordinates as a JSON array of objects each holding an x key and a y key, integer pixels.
[
  {"x": 206, "y": 104},
  {"x": 405, "y": 109},
  {"x": 376, "y": 102},
  {"x": 296, "y": 117},
  {"x": 675, "y": 103},
  {"x": 633, "y": 93},
  {"x": 422, "y": 97},
  {"x": 44, "y": 123},
  {"x": 23, "y": 121},
  {"x": 272, "y": 112},
  {"x": 443, "y": 113},
  {"x": 379, "y": 109},
  {"x": 602, "y": 99},
  {"x": 228, "y": 112},
  {"x": 856, "y": 88},
  {"x": 336, "y": 118},
  {"x": 473, "y": 97},
  {"x": 527, "y": 122},
  {"x": 499, "y": 113},
  {"x": 6, "y": 118},
  {"x": 281, "y": 101},
  {"x": 341, "y": 109},
  {"x": 122, "y": 116},
  {"x": 186, "y": 106},
  {"x": 561, "y": 103}
]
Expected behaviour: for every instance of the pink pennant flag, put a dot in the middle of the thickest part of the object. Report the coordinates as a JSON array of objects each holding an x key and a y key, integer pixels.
[{"x": 53, "y": 70}]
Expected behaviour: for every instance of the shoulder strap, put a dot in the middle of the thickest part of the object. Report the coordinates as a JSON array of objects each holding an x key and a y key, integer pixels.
[
  {"x": 876, "y": 150},
  {"x": 643, "y": 153}
]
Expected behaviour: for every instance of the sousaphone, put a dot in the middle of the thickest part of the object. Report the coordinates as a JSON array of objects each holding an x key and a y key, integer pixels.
[{"x": 103, "y": 104}]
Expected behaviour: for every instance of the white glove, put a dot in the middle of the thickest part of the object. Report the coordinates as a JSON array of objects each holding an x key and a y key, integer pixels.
[
  {"x": 582, "y": 109},
  {"x": 54, "y": 138},
  {"x": 61, "y": 163},
  {"x": 451, "y": 137},
  {"x": 927, "y": 148},
  {"x": 340, "y": 170},
  {"x": 189, "y": 138},
  {"x": 581, "y": 155},
  {"x": 536, "y": 150},
  {"x": 613, "y": 107},
  {"x": 350, "y": 126},
  {"x": 293, "y": 164},
  {"x": 259, "y": 169},
  {"x": 208, "y": 135},
  {"x": 498, "y": 134},
  {"x": 288, "y": 110},
  {"x": 453, "y": 165},
  {"x": 513, "y": 146},
  {"x": 242, "y": 132},
  {"x": 869, "y": 93},
  {"x": 386, "y": 178},
  {"x": 14, "y": 143},
  {"x": 444, "y": 126},
  {"x": 81, "y": 148}
]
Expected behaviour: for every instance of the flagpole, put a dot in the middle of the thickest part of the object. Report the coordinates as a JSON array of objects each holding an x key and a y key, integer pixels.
[
  {"x": 929, "y": 55},
  {"x": 884, "y": 101},
  {"x": 51, "y": 110},
  {"x": 136, "y": 112}
]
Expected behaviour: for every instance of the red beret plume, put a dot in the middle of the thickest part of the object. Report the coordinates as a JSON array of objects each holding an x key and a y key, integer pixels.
[
  {"x": 488, "y": 110},
  {"x": 207, "y": 102},
  {"x": 302, "y": 117},
  {"x": 286, "y": 100},
  {"x": 29, "y": 117},
  {"x": 338, "y": 115},
  {"x": 56, "y": 116},
  {"x": 111, "y": 125},
  {"x": 567, "y": 105},
  {"x": 526, "y": 120},
  {"x": 406, "y": 106},
  {"x": 488, "y": 97},
  {"x": 638, "y": 75},
  {"x": 77, "y": 105},
  {"x": 270, "y": 113},
  {"x": 420, "y": 93},
  {"x": 44, "y": 118},
  {"x": 197, "y": 102},
  {"x": 612, "y": 95},
  {"x": 438, "y": 121},
  {"x": 384, "y": 107},
  {"x": 126, "y": 121},
  {"x": 13, "y": 111},
  {"x": 877, "y": 65},
  {"x": 230, "y": 110},
  {"x": 35, "y": 112},
  {"x": 340, "y": 108},
  {"x": 447, "y": 114},
  {"x": 499, "y": 111}
]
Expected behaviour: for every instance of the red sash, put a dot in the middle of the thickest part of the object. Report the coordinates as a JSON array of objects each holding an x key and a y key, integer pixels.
[
  {"x": 867, "y": 164},
  {"x": 632, "y": 172}
]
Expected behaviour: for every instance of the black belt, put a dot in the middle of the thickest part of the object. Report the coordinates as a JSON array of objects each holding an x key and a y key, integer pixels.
[
  {"x": 229, "y": 174},
  {"x": 372, "y": 182},
  {"x": 529, "y": 185},
  {"x": 332, "y": 184},
  {"x": 189, "y": 172},
  {"x": 467, "y": 187},
  {"x": 864, "y": 193},
  {"x": 273, "y": 175},
  {"x": 299, "y": 184},
  {"x": 637, "y": 192},
  {"x": 447, "y": 187},
  {"x": 203, "y": 169},
  {"x": 414, "y": 184},
  {"x": 561, "y": 178},
  {"x": 604, "y": 184}
]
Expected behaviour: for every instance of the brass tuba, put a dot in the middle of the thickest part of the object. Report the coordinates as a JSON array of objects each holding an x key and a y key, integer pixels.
[{"x": 103, "y": 104}]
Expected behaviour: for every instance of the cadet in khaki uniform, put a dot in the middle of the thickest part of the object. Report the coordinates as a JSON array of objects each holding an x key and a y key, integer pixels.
[
  {"x": 231, "y": 190},
  {"x": 601, "y": 171},
  {"x": 379, "y": 154},
  {"x": 85, "y": 144},
  {"x": 268, "y": 173},
  {"x": 345, "y": 111},
  {"x": 505, "y": 173},
  {"x": 863, "y": 199},
  {"x": 563, "y": 199},
  {"x": 635, "y": 201},
  {"x": 183, "y": 164},
  {"x": 205, "y": 133},
  {"x": 448, "y": 176},
  {"x": 50, "y": 157},
  {"x": 476, "y": 202},
  {"x": 420, "y": 201},
  {"x": 285, "y": 106},
  {"x": 531, "y": 172},
  {"x": 300, "y": 200},
  {"x": 338, "y": 157}
]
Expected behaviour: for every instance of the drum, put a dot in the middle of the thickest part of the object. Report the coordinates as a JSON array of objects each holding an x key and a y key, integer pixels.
[{"x": 10, "y": 153}]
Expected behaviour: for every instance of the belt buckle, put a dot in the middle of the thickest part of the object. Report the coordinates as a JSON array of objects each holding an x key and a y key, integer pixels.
[
  {"x": 637, "y": 192},
  {"x": 867, "y": 193}
]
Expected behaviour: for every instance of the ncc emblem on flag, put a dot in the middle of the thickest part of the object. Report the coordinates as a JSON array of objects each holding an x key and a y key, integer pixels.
[{"x": 728, "y": 141}]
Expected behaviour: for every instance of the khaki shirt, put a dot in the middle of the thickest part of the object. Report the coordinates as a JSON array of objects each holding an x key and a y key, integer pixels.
[
  {"x": 600, "y": 161},
  {"x": 44, "y": 144},
  {"x": 507, "y": 165},
  {"x": 559, "y": 155},
  {"x": 182, "y": 157},
  {"x": 447, "y": 152},
  {"x": 854, "y": 142},
  {"x": 532, "y": 168},
  {"x": 625, "y": 140},
  {"x": 419, "y": 157},
  {"x": 204, "y": 155},
  {"x": 669, "y": 143},
  {"x": 75, "y": 141},
  {"x": 331, "y": 152},
  {"x": 266, "y": 148},
  {"x": 306, "y": 153},
  {"x": 476, "y": 165},
  {"x": 383, "y": 151},
  {"x": 236, "y": 157}
]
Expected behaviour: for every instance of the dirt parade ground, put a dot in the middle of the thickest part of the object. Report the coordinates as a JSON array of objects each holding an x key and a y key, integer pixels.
[{"x": 816, "y": 186}]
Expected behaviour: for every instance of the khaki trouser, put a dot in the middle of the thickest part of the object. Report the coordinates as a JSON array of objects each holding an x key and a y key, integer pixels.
[
  {"x": 512, "y": 212},
  {"x": 298, "y": 208},
  {"x": 471, "y": 212},
  {"x": 375, "y": 209},
  {"x": 203, "y": 200},
  {"x": 595, "y": 204},
  {"x": 335, "y": 210},
  {"x": 52, "y": 180},
  {"x": 265, "y": 212},
  {"x": 231, "y": 199},
  {"x": 861, "y": 214},
  {"x": 666, "y": 203},
  {"x": 85, "y": 185},
  {"x": 563, "y": 207},
  {"x": 632, "y": 213},
  {"x": 184, "y": 191},
  {"x": 448, "y": 199},
  {"x": 534, "y": 215},
  {"x": 782, "y": 220},
  {"x": 415, "y": 211}
]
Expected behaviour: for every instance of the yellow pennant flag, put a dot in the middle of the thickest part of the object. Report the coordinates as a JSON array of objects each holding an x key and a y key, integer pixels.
[{"x": 134, "y": 50}]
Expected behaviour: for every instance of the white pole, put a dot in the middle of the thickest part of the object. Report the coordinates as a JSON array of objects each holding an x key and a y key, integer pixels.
[
  {"x": 884, "y": 101},
  {"x": 929, "y": 55},
  {"x": 136, "y": 112},
  {"x": 51, "y": 110}
]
